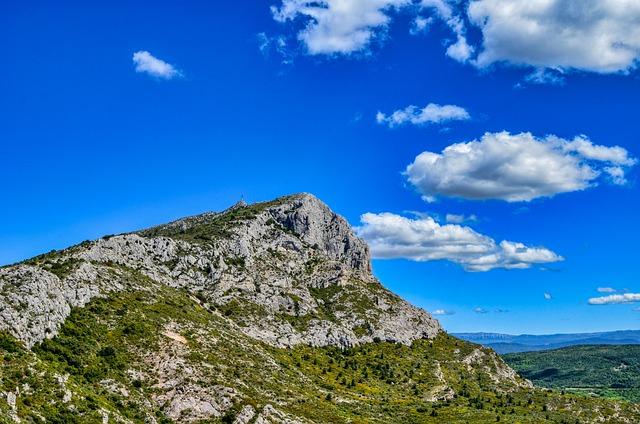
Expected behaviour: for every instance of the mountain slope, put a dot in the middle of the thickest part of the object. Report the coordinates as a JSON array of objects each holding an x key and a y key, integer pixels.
[
  {"x": 607, "y": 370},
  {"x": 264, "y": 313}
]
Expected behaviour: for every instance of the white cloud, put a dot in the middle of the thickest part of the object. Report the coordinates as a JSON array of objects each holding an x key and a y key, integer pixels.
[
  {"x": 518, "y": 167},
  {"x": 338, "y": 26},
  {"x": 442, "y": 312},
  {"x": 442, "y": 7},
  {"x": 392, "y": 236},
  {"x": 606, "y": 290},
  {"x": 545, "y": 76},
  {"x": 590, "y": 35},
  {"x": 615, "y": 299},
  {"x": 459, "y": 219},
  {"x": 348, "y": 26},
  {"x": 275, "y": 45},
  {"x": 146, "y": 63},
  {"x": 460, "y": 50},
  {"x": 479, "y": 310},
  {"x": 617, "y": 174},
  {"x": 430, "y": 114},
  {"x": 549, "y": 36},
  {"x": 548, "y": 296},
  {"x": 420, "y": 25}
]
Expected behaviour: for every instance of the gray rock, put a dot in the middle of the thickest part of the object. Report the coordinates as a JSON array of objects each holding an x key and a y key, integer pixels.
[{"x": 291, "y": 271}]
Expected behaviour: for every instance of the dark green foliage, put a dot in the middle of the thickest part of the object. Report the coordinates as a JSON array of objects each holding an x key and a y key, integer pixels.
[
  {"x": 605, "y": 370},
  {"x": 62, "y": 268},
  {"x": 209, "y": 228}
]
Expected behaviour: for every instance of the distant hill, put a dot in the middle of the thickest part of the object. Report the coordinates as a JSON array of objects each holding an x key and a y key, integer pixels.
[
  {"x": 505, "y": 343},
  {"x": 605, "y": 370}
]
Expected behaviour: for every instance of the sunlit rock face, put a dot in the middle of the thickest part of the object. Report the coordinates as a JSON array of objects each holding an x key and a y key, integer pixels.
[{"x": 289, "y": 271}]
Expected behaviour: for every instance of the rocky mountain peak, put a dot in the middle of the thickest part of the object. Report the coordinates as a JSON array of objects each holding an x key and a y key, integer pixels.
[
  {"x": 289, "y": 271},
  {"x": 320, "y": 227}
]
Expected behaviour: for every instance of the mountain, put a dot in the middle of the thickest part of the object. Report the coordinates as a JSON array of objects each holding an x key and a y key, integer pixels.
[
  {"x": 505, "y": 343},
  {"x": 606, "y": 370},
  {"x": 263, "y": 313},
  {"x": 291, "y": 271}
]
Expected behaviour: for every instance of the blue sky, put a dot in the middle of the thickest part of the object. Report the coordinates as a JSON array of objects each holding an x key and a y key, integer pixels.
[{"x": 237, "y": 99}]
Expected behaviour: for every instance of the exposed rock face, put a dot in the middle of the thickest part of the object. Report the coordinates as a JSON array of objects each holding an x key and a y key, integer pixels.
[
  {"x": 289, "y": 271},
  {"x": 34, "y": 301}
]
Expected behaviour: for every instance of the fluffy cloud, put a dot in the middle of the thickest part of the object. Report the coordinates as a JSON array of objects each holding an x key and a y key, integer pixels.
[
  {"x": 423, "y": 239},
  {"x": 338, "y": 26},
  {"x": 562, "y": 35},
  {"x": 615, "y": 298},
  {"x": 480, "y": 310},
  {"x": 442, "y": 312},
  {"x": 548, "y": 296},
  {"x": 606, "y": 290},
  {"x": 590, "y": 35},
  {"x": 519, "y": 167},
  {"x": 348, "y": 26},
  {"x": 430, "y": 114},
  {"x": 420, "y": 25},
  {"x": 146, "y": 63}
]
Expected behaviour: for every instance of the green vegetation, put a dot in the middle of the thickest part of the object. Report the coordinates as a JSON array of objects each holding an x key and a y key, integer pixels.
[
  {"x": 611, "y": 371},
  {"x": 62, "y": 268},
  {"x": 212, "y": 227},
  {"x": 120, "y": 340}
]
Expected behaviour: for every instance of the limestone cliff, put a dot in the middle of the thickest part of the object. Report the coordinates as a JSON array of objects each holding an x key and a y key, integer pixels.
[{"x": 289, "y": 272}]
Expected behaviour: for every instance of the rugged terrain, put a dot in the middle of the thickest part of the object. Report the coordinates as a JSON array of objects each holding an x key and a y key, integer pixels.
[{"x": 263, "y": 313}]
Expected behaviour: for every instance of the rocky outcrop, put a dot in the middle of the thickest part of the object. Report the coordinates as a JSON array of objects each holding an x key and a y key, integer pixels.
[
  {"x": 289, "y": 271},
  {"x": 34, "y": 301}
]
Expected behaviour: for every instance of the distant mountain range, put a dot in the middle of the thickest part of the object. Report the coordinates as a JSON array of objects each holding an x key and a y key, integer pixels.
[{"x": 506, "y": 343}]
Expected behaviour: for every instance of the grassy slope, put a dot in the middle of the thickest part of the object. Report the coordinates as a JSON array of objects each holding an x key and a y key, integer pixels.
[
  {"x": 610, "y": 371},
  {"x": 380, "y": 382}
]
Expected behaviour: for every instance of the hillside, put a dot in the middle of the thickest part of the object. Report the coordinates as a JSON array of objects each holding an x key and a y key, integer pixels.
[
  {"x": 606, "y": 370},
  {"x": 506, "y": 343},
  {"x": 264, "y": 313}
]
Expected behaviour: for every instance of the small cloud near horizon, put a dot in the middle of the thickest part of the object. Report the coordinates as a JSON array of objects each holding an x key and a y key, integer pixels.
[
  {"x": 615, "y": 299},
  {"x": 606, "y": 290}
]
